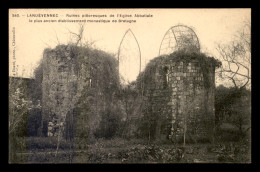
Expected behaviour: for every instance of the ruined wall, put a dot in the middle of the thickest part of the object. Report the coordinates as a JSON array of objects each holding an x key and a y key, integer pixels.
[
  {"x": 179, "y": 96},
  {"x": 59, "y": 85},
  {"x": 76, "y": 87}
]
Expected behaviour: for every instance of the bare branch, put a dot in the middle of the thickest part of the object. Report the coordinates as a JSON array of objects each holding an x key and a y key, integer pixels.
[
  {"x": 236, "y": 58},
  {"x": 79, "y": 35},
  {"x": 57, "y": 37}
]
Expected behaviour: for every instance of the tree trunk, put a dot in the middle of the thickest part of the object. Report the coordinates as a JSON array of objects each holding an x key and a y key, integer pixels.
[{"x": 158, "y": 130}]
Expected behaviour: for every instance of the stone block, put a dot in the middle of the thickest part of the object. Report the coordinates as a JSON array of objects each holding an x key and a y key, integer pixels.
[
  {"x": 186, "y": 93},
  {"x": 169, "y": 103}
]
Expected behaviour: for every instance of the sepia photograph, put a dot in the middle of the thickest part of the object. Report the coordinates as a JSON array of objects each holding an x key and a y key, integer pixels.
[{"x": 129, "y": 86}]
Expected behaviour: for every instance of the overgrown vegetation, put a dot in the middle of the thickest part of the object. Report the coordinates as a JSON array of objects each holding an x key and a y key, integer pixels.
[
  {"x": 148, "y": 83},
  {"x": 233, "y": 106},
  {"x": 179, "y": 56},
  {"x": 40, "y": 150},
  {"x": 113, "y": 140}
]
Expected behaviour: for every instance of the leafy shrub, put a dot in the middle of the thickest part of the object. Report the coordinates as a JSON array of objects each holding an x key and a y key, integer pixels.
[
  {"x": 233, "y": 106},
  {"x": 232, "y": 152},
  {"x": 109, "y": 125},
  {"x": 152, "y": 153},
  {"x": 225, "y": 153}
]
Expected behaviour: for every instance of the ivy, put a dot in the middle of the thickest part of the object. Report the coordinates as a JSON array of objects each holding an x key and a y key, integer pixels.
[
  {"x": 147, "y": 80},
  {"x": 205, "y": 63}
]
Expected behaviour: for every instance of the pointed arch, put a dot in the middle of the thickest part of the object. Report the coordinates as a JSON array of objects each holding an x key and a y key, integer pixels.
[{"x": 130, "y": 31}]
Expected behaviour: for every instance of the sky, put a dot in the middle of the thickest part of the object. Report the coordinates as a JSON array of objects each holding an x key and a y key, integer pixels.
[{"x": 212, "y": 26}]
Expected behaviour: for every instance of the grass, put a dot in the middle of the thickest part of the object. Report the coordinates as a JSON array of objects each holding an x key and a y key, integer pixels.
[
  {"x": 118, "y": 150},
  {"x": 39, "y": 143}
]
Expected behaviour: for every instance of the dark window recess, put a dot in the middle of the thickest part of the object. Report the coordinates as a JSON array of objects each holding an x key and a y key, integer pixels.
[{"x": 165, "y": 76}]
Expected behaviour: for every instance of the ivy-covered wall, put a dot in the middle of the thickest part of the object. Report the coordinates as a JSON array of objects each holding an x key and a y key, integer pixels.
[
  {"x": 81, "y": 84},
  {"x": 179, "y": 96},
  {"x": 58, "y": 87},
  {"x": 77, "y": 84}
]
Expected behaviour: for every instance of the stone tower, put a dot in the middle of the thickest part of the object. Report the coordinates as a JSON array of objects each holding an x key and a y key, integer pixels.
[
  {"x": 179, "y": 96},
  {"x": 77, "y": 84}
]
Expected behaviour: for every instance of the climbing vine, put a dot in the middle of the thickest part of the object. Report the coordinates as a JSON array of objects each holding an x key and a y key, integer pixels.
[
  {"x": 152, "y": 80},
  {"x": 205, "y": 63}
]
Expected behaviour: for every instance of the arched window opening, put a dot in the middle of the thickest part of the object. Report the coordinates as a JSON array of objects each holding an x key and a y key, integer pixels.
[
  {"x": 90, "y": 82},
  {"x": 166, "y": 76}
]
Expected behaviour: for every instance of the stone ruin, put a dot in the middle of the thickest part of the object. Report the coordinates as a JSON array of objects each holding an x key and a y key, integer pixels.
[
  {"x": 179, "y": 96},
  {"x": 177, "y": 93},
  {"x": 72, "y": 88},
  {"x": 58, "y": 87}
]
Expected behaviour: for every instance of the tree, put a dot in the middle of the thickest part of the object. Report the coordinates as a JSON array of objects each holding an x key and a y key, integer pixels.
[
  {"x": 232, "y": 105},
  {"x": 109, "y": 124},
  {"x": 78, "y": 36},
  {"x": 65, "y": 111},
  {"x": 19, "y": 107},
  {"x": 236, "y": 58},
  {"x": 93, "y": 81},
  {"x": 130, "y": 103},
  {"x": 240, "y": 117},
  {"x": 236, "y": 67}
]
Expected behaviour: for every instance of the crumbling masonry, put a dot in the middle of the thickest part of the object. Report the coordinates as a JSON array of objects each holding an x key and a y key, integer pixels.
[
  {"x": 73, "y": 89},
  {"x": 177, "y": 89},
  {"x": 179, "y": 96}
]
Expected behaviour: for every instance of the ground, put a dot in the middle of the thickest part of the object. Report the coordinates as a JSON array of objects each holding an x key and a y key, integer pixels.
[{"x": 117, "y": 150}]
